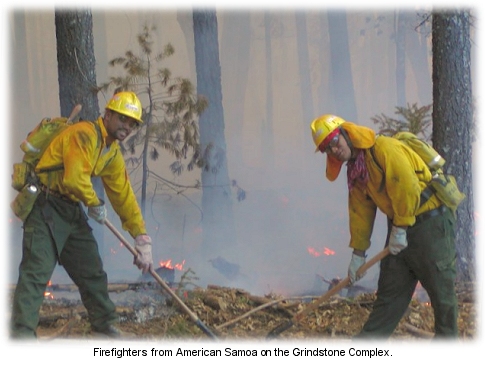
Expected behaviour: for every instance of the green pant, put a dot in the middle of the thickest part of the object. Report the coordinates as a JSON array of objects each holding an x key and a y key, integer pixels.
[
  {"x": 58, "y": 231},
  {"x": 430, "y": 259}
]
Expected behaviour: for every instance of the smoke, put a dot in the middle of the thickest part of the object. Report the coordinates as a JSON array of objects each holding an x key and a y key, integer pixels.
[{"x": 289, "y": 205}]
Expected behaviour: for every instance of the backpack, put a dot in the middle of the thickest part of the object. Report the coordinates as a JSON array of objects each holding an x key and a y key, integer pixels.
[
  {"x": 441, "y": 184},
  {"x": 24, "y": 178},
  {"x": 34, "y": 146}
]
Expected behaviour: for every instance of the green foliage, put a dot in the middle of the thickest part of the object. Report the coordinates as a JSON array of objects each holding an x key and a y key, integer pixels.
[
  {"x": 171, "y": 106},
  {"x": 171, "y": 109},
  {"x": 415, "y": 119}
]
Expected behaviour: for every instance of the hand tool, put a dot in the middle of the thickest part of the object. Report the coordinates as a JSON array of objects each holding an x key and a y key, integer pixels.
[
  {"x": 75, "y": 111},
  {"x": 164, "y": 285},
  {"x": 337, "y": 288}
]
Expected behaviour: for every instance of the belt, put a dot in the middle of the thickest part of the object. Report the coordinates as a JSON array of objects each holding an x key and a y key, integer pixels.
[
  {"x": 56, "y": 194},
  {"x": 441, "y": 210}
]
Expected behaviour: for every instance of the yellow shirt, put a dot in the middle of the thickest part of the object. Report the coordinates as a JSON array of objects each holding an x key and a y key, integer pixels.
[
  {"x": 84, "y": 155},
  {"x": 406, "y": 175}
]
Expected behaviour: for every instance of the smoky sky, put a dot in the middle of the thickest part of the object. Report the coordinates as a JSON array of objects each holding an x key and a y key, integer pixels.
[{"x": 292, "y": 226}]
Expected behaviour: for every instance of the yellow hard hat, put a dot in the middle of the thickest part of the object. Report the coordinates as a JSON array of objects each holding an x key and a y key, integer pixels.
[
  {"x": 126, "y": 103},
  {"x": 324, "y": 126}
]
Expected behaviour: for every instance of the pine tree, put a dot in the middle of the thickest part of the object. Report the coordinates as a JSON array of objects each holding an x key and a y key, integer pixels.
[{"x": 170, "y": 114}]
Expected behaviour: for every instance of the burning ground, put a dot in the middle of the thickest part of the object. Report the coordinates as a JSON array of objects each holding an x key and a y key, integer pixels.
[{"x": 147, "y": 312}]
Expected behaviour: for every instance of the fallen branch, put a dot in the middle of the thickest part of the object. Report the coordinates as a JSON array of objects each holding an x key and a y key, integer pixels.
[
  {"x": 112, "y": 287},
  {"x": 259, "y": 308}
]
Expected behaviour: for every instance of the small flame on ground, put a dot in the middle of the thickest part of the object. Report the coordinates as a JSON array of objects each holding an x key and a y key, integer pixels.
[
  {"x": 47, "y": 294},
  {"x": 324, "y": 251},
  {"x": 168, "y": 264}
]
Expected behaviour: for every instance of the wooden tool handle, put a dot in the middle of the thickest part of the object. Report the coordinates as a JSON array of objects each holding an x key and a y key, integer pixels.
[
  {"x": 337, "y": 288},
  {"x": 74, "y": 113}
]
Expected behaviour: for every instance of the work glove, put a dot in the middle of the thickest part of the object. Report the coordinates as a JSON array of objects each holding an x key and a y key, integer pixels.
[
  {"x": 397, "y": 240},
  {"x": 144, "y": 260},
  {"x": 355, "y": 263},
  {"x": 98, "y": 213}
]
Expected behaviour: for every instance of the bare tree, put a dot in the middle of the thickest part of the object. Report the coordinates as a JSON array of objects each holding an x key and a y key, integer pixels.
[
  {"x": 235, "y": 61},
  {"x": 341, "y": 81},
  {"x": 306, "y": 93},
  {"x": 76, "y": 66},
  {"x": 76, "y": 62},
  {"x": 453, "y": 120},
  {"x": 417, "y": 52},
  {"x": 218, "y": 223},
  {"x": 169, "y": 115},
  {"x": 267, "y": 126},
  {"x": 400, "y": 32}
]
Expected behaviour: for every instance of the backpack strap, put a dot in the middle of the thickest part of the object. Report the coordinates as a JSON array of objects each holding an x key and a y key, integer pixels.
[
  {"x": 100, "y": 136},
  {"x": 427, "y": 193},
  {"x": 383, "y": 181}
]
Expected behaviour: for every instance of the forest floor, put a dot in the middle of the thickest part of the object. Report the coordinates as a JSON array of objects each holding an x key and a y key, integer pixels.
[{"x": 148, "y": 313}]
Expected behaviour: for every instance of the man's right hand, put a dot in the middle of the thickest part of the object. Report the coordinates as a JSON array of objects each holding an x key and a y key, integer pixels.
[
  {"x": 355, "y": 263},
  {"x": 144, "y": 259}
]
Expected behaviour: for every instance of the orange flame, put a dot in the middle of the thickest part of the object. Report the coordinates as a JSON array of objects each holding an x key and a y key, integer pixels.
[
  {"x": 324, "y": 251},
  {"x": 48, "y": 294},
  {"x": 168, "y": 264}
]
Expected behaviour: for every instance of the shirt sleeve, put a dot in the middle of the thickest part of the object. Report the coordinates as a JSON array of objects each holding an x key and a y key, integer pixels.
[
  {"x": 362, "y": 213},
  {"x": 121, "y": 195}
]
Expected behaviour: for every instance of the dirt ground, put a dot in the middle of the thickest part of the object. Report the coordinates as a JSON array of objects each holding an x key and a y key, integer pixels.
[{"x": 235, "y": 314}]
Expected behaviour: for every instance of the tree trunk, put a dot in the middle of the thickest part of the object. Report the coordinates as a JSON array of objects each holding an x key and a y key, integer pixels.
[
  {"x": 325, "y": 98},
  {"x": 185, "y": 20},
  {"x": 76, "y": 62},
  {"x": 453, "y": 121},
  {"x": 218, "y": 224},
  {"x": 305, "y": 79},
  {"x": 341, "y": 66},
  {"x": 418, "y": 54},
  {"x": 19, "y": 65},
  {"x": 400, "y": 39},
  {"x": 267, "y": 126},
  {"x": 235, "y": 52},
  {"x": 77, "y": 77}
]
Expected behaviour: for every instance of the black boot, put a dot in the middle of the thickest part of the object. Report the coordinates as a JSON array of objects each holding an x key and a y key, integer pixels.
[{"x": 109, "y": 331}]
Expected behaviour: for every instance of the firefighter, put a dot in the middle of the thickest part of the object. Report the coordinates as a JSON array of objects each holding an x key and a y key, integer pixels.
[
  {"x": 57, "y": 229},
  {"x": 420, "y": 235}
]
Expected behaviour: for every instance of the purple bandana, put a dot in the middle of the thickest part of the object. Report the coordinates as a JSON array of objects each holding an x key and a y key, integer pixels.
[{"x": 357, "y": 171}]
